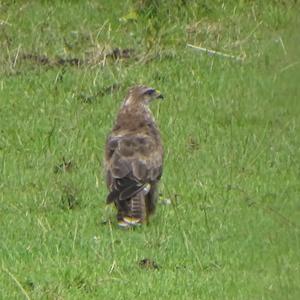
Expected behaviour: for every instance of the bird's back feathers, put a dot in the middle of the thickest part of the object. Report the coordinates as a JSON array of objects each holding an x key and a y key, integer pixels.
[{"x": 133, "y": 161}]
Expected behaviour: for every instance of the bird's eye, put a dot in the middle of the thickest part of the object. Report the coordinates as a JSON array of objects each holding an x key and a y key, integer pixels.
[{"x": 149, "y": 92}]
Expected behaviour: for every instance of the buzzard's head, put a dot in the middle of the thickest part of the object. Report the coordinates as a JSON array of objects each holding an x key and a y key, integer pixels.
[{"x": 142, "y": 94}]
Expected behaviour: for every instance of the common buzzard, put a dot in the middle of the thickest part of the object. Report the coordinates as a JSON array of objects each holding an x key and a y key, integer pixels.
[{"x": 134, "y": 158}]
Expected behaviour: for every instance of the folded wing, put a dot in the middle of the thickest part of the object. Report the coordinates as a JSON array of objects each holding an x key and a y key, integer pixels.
[{"x": 132, "y": 162}]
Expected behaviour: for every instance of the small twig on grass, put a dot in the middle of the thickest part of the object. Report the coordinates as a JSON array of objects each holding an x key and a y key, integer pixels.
[
  {"x": 16, "y": 57},
  {"x": 213, "y": 52},
  {"x": 17, "y": 282},
  {"x": 282, "y": 45},
  {"x": 112, "y": 267}
]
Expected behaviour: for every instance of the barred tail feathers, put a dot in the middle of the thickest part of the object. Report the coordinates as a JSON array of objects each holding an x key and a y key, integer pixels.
[{"x": 136, "y": 210}]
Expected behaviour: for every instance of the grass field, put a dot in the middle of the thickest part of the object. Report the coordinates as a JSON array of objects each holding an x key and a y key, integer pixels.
[{"x": 231, "y": 135}]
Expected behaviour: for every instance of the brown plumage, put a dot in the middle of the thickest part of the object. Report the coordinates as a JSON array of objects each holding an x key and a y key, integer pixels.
[{"x": 134, "y": 158}]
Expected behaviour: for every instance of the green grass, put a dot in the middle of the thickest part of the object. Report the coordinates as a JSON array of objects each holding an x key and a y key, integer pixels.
[{"x": 232, "y": 145}]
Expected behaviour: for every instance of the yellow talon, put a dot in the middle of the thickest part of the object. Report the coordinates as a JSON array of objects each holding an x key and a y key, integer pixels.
[{"x": 132, "y": 220}]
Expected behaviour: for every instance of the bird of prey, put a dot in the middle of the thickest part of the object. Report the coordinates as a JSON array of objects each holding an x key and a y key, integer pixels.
[{"x": 134, "y": 158}]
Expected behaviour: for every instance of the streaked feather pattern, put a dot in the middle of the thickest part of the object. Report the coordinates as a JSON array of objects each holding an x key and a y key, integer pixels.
[{"x": 134, "y": 158}]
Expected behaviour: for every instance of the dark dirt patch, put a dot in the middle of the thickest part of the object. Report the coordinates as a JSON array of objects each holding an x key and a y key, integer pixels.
[
  {"x": 92, "y": 59},
  {"x": 45, "y": 60},
  {"x": 149, "y": 264},
  {"x": 38, "y": 59},
  {"x": 118, "y": 53}
]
